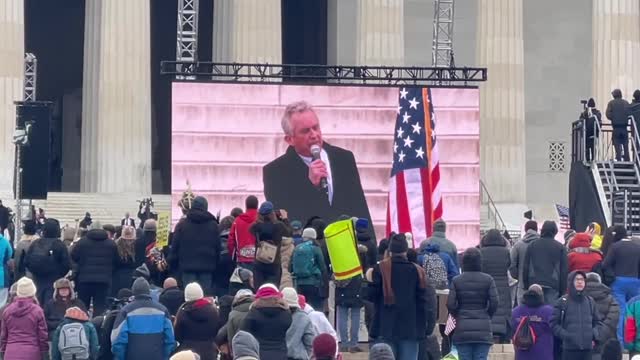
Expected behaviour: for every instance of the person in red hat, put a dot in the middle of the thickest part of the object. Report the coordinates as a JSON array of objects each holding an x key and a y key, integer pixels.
[
  {"x": 325, "y": 348},
  {"x": 268, "y": 321}
]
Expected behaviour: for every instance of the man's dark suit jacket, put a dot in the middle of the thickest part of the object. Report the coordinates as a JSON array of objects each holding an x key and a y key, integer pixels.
[
  {"x": 287, "y": 186},
  {"x": 131, "y": 222}
]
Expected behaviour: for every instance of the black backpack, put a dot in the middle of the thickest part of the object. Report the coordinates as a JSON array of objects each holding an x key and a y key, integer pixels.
[
  {"x": 525, "y": 337},
  {"x": 41, "y": 259}
]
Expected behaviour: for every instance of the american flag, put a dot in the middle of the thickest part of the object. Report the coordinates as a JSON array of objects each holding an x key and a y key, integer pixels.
[
  {"x": 563, "y": 217},
  {"x": 414, "y": 200}
]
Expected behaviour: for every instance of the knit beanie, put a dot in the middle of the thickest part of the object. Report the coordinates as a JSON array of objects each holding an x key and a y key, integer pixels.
[
  {"x": 440, "y": 226},
  {"x": 76, "y": 313},
  {"x": 594, "y": 277},
  {"x": 536, "y": 289},
  {"x": 290, "y": 296},
  {"x": 266, "y": 208},
  {"x": 26, "y": 288},
  {"x": 242, "y": 293},
  {"x": 150, "y": 225},
  {"x": 51, "y": 229},
  {"x": 362, "y": 225},
  {"x": 193, "y": 292},
  {"x": 140, "y": 287},
  {"x": 200, "y": 203},
  {"x": 309, "y": 233},
  {"x": 324, "y": 346},
  {"x": 381, "y": 351},
  {"x": 244, "y": 345},
  {"x": 398, "y": 244},
  {"x": 185, "y": 355},
  {"x": 245, "y": 274},
  {"x": 268, "y": 290}
]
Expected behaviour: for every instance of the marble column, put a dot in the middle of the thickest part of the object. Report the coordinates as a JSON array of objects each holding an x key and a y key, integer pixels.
[
  {"x": 248, "y": 31},
  {"x": 616, "y": 48},
  {"x": 11, "y": 84},
  {"x": 380, "y": 32},
  {"x": 502, "y": 127},
  {"x": 116, "y": 126}
]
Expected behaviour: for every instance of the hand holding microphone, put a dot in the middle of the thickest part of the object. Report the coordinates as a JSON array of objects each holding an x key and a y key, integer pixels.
[{"x": 318, "y": 169}]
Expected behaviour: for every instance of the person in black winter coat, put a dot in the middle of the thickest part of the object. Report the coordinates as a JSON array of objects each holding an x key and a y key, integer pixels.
[
  {"x": 496, "y": 261},
  {"x": 95, "y": 256},
  {"x": 618, "y": 112},
  {"x": 171, "y": 296},
  {"x": 270, "y": 229},
  {"x": 607, "y": 308},
  {"x": 197, "y": 324},
  {"x": 405, "y": 303},
  {"x": 268, "y": 321},
  {"x": 63, "y": 298},
  {"x": 47, "y": 260},
  {"x": 473, "y": 300},
  {"x": 196, "y": 246},
  {"x": 225, "y": 265},
  {"x": 545, "y": 263},
  {"x": 575, "y": 320},
  {"x": 364, "y": 238}
]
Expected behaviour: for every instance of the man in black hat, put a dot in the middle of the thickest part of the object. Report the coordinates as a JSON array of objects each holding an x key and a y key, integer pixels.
[
  {"x": 618, "y": 113},
  {"x": 591, "y": 116},
  {"x": 405, "y": 303}
]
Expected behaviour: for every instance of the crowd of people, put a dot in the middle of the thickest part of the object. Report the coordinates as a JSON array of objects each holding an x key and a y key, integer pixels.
[{"x": 255, "y": 285}]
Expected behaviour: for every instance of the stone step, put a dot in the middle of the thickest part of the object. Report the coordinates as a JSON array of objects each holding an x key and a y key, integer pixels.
[
  {"x": 263, "y": 148},
  {"x": 105, "y": 208},
  {"x": 248, "y": 176},
  {"x": 371, "y": 120}
]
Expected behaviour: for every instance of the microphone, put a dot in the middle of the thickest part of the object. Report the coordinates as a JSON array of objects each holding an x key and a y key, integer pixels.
[{"x": 315, "y": 155}]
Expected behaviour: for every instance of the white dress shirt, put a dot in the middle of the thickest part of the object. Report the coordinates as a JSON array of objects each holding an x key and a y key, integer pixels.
[{"x": 325, "y": 158}]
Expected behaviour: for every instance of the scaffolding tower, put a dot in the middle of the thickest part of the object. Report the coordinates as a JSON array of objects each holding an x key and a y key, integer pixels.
[
  {"x": 442, "y": 48},
  {"x": 187, "y": 36},
  {"x": 29, "y": 94}
]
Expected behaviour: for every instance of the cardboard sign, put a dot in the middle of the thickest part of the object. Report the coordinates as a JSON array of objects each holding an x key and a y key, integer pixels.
[{"x": 164, "y": 226}]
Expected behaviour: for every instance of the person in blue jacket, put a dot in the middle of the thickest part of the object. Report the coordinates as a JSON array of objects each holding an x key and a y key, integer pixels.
[
  {"x": 143, "y": 328},
  {"x": 452, "y": 269},
  {"x": 6, "y": 252}
]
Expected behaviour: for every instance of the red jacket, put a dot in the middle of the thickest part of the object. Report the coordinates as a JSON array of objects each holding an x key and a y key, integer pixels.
[
  {"x": 242, "y": 243},
  {"x": 581, "y": 256}
]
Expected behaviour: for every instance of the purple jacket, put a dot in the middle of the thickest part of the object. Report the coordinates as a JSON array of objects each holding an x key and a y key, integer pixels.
[
  {"x": 24, "y": 331},
  {"x": 540, "y": 318}
]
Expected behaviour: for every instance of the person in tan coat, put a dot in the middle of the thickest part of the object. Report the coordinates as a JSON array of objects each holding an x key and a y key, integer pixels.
[{"x": 286, "y": 252}]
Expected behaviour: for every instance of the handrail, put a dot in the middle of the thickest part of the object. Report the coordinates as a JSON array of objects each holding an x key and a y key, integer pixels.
[
  {"x": 491, "y": 206},
  {"x": 634, "y": 145}
]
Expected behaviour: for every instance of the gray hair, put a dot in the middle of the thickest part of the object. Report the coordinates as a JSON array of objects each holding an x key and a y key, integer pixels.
[{"x": 293, "y": 108}]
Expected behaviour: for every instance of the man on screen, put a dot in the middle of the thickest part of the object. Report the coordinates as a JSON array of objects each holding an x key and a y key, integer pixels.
[{"x": 294, "y": 180}]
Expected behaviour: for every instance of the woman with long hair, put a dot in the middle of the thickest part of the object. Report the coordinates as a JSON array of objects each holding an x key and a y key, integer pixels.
[
  {"x": 268, "y": 231},
  {"x": 126, "y": 260}
]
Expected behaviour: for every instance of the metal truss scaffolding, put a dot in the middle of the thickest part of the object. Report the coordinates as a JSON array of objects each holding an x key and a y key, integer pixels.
[
  {"x": 337, "y": 74},
  {"x": 442, "y": 49},
  {"x": 21, "y": 138},
  {"x": 30, "y": 71},
  {"x": 187, "y": 39}
]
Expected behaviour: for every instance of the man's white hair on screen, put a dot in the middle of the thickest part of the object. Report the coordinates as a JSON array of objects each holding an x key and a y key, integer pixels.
[{"x": 293, "y": 108}]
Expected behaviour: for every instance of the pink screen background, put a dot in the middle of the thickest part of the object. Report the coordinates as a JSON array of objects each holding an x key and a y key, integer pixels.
[{"x": 223, "y": 134}]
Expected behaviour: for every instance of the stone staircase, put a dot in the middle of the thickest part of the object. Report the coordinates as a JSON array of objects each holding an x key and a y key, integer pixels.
[{"x": 105, "y": 208}]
